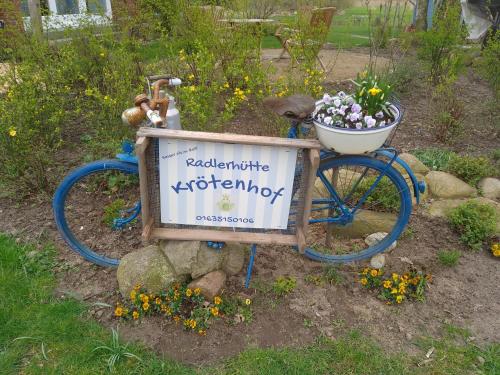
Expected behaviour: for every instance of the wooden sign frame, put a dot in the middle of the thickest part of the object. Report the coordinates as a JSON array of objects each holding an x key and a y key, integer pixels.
[{"x": 311, "y": 156}]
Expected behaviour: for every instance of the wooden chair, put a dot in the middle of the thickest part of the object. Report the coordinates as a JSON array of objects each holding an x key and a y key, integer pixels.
[{"x": 315, "y": 36}]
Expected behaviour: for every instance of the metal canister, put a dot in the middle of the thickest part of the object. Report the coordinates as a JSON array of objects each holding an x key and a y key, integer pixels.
[{"x": 173, "y": 119}]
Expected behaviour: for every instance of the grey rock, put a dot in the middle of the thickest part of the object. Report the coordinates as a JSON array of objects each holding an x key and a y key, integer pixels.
[
  {"x": 379, "y": 222},
  {"x": 181, "y": 254},
  {"x": 414, "y": 163},
  {"x": 148, "y": 267},
  {"x": 208, "y": 260},
  {"x": 490, "y": 187},
  {"x": 377, "y": 261},
  {"x": 233, "y": 258},
  {"x": 375, "y": 238},
  {"x": 445, "y": 185}
]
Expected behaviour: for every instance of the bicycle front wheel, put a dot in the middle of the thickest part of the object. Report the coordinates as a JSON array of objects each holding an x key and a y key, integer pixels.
[
  {"x": 95, "y": 210},
  {"x": 360, "y": 207}
]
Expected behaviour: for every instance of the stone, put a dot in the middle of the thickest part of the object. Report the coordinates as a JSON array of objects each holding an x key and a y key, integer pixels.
[
  {"x": 414, "y": 163},
  {"x": 208, "y": 260},
  {"x": 375, "y": 238},
  {"x": 377, "y": 261},
  {"x": 441, "y": 208},
  {"x": 345, "y": 177},
  {"x": 148, "y": 267},
  {"x": 181, "y": 254},
  {"x": 445, "y": 185},
  {"x": 210, "y": 284},
  {"x": 233, "y": 258},
  {"x": 365, "y": 223},
  {"x": 490, "y": 187}
]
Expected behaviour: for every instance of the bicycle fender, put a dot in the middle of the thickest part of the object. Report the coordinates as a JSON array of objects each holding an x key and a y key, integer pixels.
[{"x": 418, "y": 186}]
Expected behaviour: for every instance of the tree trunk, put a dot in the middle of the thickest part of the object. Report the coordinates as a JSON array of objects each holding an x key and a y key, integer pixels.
[
  {"x": 421, "y": 22},
  {"x": 35, "y": 17}
]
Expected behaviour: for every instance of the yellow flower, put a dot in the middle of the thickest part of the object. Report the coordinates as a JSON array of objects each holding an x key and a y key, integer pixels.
[
  {"x": 248, "y": 301},
  {"x": 133, "y": 294},
  {"x": 306, "y": 82},
  {"x": 246, "y": 78},
  {"x": 189, "y": 292},
  {"x": 226, "y": 85},
  {"x": 12, "y": 131},
  {"x": 394, "y": 291},
  {"x": 395, "y": 276},
  {"x": 374, "y": 273},
  {"x": 387, "y": 284},
  {"x": 214, "y": 311},
  {"x": 135, "y": 315},
  {"x": 365, "y": 271},
  {"x": 145, "y": 306},
  {"x": 202, "y": 332},
  {"x": 102, "y": 54},
  {"x": 144, "y": 298},
  {"x": 106, "y": 97},
  {"x": 374, "y": 91},
  {"x": 402, "y": 288},
  {"x": 191, "y": 76},
  {"x": 399, "y": 299},
  {"x": 177, "y": 319},
  {"x": 119, "y": 311},
  {"x": 217, "y": 300},
  {"x": 364, "y": 281},
  {"x": 137, "y": 287},
  {"x": 158, "y": 300},
  {"x": 495, "y": 249},
  {"x": 192, "y": 88},
  {"x": 197, "y": 291},
  {"x": 193, "y": 324}
]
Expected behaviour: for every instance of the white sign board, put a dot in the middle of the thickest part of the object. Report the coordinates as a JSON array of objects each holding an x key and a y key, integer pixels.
[{"x": 225, "y": 185}]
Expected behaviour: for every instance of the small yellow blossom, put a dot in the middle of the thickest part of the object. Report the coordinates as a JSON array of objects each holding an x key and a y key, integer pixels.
[
  {"x": 399, "y": 299},
  {"x": 137, "y": 287},
  {"x": 202, "y": 332},
  {"x": 248, "y": 301},
  {"x": 197, "y": 291},
  {"x": 145, "y": 306},
  {"x": 191, "y": 76},
  {"x": 158, "y": 300},
  {"x": 395, "y": 276},
  {"x": 177, "y": 319},
  {"x": 365, "y": 271},
  {"x": 374, "y": 273},
  {"x": 193, "y": 324},
  {"x": 374, "y": 91},
  {"x": 189, "y": 292},
  {"x": 394, "y": 291},
  {"x": 119, "y": 311},
  {"x": 192, "y": 88},
  {"x": 12, "y": 131},
  {"x": 135, "y": 315},
  {"x": 387, "y": 284},
  {"x": 495, "y": 249},
  {"x": 133, "y": 294},
  {"x": 226, "y": 85},
  {"x": 246, "y": 78},
  {"x": 214, "y": 311},
  {"x": 102, "y": 54},
  {"x": 217, "y": 300},
  {"x": 364, "y": 281}
]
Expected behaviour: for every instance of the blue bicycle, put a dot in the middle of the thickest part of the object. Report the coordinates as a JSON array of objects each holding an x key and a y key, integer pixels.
[{"x": 355, "y": 196}]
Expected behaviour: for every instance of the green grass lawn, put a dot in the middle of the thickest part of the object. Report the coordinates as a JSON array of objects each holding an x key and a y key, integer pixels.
[
  {"x": 40, "y": 334},
  {"x": 344, "y": 32}
]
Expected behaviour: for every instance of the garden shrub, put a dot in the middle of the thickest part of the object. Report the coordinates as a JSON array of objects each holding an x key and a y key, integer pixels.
[
  {"x": 436, "y": 159},
  {"x": 448, "y": 111},
  {"x": 475, "y": 222},
  {"x": 440, "y": 46},
  {"x": 471, "y": 169},
  {"x": 488, "y": 65},
  {"x": 284, "y": 285},
  {"x": 449, "y": 258},
  {"x": 384, "y": 197}
]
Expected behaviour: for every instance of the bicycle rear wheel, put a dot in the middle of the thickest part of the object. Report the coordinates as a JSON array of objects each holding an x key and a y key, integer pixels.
[
  {"x": 368, "y": 202},
  {"x": 95, "y": 209}
]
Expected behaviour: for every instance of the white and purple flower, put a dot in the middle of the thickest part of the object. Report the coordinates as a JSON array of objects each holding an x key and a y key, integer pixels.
[{"x": 356, "y": 108}]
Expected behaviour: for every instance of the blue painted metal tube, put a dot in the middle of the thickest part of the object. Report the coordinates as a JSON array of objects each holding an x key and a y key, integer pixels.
[{"x": 253, "y": 250}]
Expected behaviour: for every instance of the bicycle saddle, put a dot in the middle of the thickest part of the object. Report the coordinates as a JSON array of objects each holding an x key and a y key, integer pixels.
[{"x": 296, "y": 107}]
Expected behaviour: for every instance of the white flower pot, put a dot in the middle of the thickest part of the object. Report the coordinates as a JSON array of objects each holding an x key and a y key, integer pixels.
[{"x": 355, "y": 141}]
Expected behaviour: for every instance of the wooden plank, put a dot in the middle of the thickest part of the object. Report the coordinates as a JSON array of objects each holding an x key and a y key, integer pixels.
[
  {"x": 301, "y": 240},
  {"x": 140, "y": 149},
  {"x": 314, "y": 158},
  {"x": 229, "y": 138},
  {"x": 223, "y": 236},
  {"x": 147, "y": 229}
]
